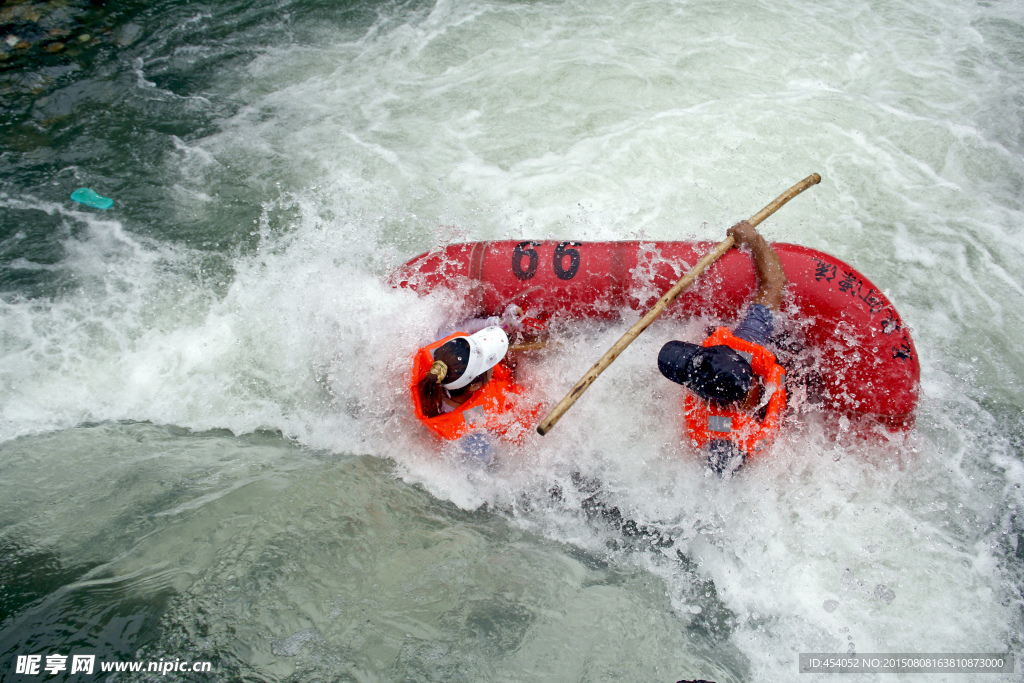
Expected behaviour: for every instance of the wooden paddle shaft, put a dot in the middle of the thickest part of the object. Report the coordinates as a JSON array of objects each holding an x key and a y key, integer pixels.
[{"x": 556, "y": 414}]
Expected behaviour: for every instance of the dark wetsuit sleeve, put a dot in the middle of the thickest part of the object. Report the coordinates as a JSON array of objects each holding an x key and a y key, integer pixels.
[{"x": 757, "y": 326}]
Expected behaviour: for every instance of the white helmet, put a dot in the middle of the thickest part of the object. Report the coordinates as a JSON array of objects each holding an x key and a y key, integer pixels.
[{"x": 486, "y": 348}]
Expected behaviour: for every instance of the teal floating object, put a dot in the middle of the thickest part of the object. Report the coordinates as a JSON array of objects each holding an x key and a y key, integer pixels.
[{"x": 84, "y": 195}]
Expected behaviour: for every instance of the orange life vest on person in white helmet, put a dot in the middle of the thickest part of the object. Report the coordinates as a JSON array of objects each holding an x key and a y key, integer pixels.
[
  {"x": 707, "y": 421},
  {"x": 498, "y": 407}
]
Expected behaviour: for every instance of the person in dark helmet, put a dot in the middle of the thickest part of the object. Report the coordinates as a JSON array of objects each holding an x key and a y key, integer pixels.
[{"x": 735, "y": 388}]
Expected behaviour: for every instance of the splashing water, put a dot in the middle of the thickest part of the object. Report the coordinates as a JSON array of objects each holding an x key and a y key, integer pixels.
[{"x": 207, "y": 449}]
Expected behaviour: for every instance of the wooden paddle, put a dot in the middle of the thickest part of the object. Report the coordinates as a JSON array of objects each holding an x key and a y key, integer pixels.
[{"x": 556, "y": 414}]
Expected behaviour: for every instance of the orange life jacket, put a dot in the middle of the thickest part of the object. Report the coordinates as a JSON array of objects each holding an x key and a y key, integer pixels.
[
  {"x": 495, "y": 407},
  {"x": 707, "y": 422}
]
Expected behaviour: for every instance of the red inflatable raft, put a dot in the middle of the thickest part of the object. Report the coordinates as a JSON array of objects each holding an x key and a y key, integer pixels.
[{"x": 861, "y": 353}]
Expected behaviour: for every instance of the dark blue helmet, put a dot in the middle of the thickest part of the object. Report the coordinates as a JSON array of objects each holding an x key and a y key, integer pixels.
[{"x": 715, "y": 373}]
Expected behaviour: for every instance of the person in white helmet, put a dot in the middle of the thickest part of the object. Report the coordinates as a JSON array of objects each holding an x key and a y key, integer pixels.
[
  {"x": 461, "y": 366},
  {"x": 464, "y": 364}
]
